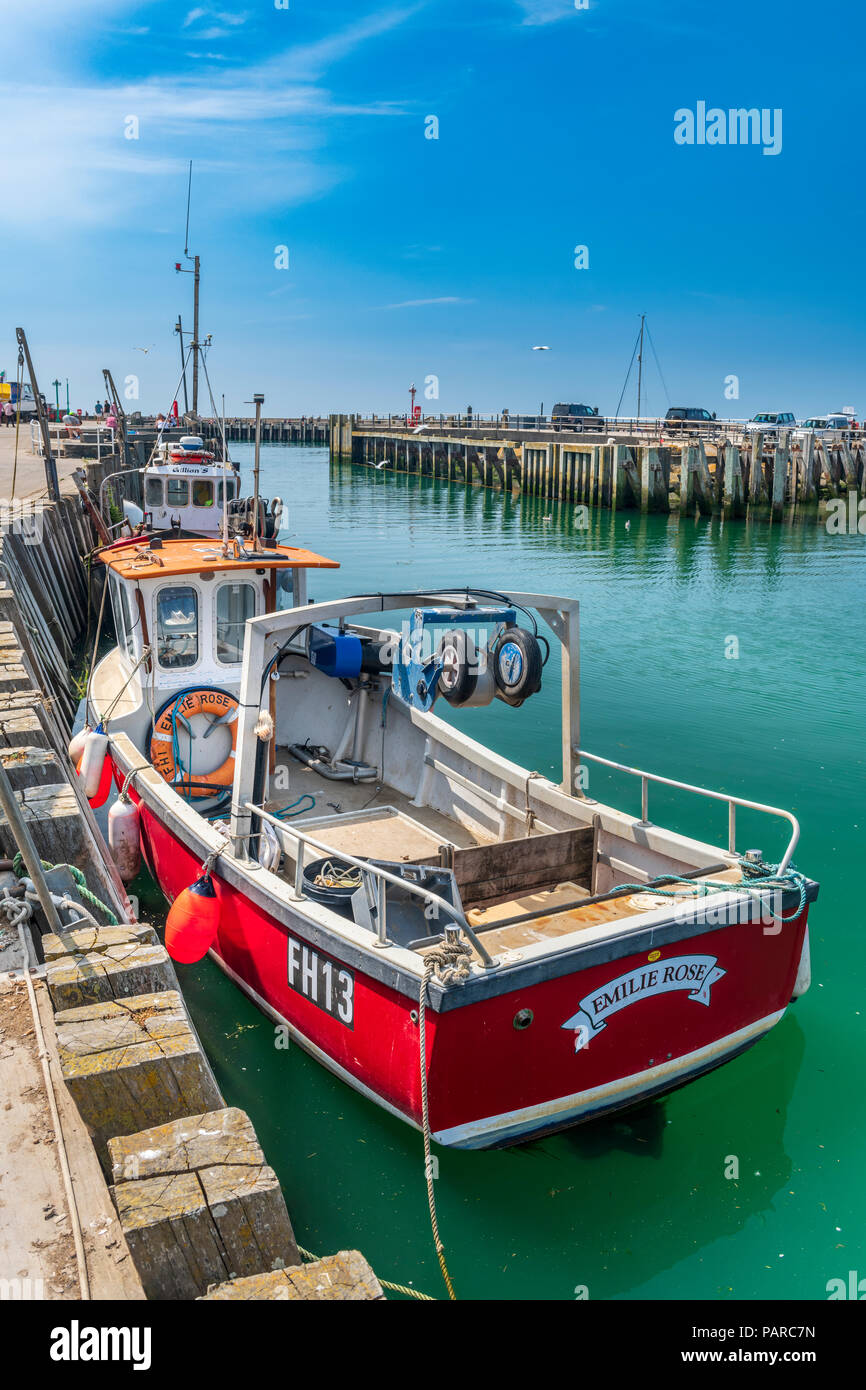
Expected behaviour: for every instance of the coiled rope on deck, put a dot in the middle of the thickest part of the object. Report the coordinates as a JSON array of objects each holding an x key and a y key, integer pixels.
[
  {"x": 20, "y": 871},
  {"x": 765, "y": 879}
]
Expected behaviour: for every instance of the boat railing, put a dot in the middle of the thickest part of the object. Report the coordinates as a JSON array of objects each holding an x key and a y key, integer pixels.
[
  {"x": 732, "y": 802},
  {"x": 368, "y": 871}
]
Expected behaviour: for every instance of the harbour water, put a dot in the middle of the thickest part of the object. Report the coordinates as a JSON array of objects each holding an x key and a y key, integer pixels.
[{"x": 729, "y": 655}]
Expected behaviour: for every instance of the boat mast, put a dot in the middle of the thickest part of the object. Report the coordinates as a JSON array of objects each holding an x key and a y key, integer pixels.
[
  {"x": 196, "y": 273},
  {"x": 258, "y": 400},
  {"x": 640, "y": 364},
  {"x": 178, "y": 328}
]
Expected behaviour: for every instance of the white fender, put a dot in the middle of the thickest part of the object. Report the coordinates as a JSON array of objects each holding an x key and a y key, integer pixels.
[
  {"x": 92, "y": 761},
  {"x": 124, "y": 838},
  {"x": 804, "y": 969},
  {"x": 76, "y": 745}
]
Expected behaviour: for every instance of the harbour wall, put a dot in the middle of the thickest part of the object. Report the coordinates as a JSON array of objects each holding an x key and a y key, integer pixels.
[{"x": 753, "y": 473}]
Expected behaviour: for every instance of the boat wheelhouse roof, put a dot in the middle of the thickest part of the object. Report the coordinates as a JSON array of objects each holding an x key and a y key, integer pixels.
[{"x": 138, "y": 560}]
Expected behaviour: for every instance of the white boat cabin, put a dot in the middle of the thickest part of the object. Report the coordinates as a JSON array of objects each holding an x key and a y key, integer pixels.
[{"x": 186, "y": 489}]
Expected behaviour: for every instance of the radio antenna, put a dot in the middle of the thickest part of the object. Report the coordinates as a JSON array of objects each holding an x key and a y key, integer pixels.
[{"x": 188, "y": 197}]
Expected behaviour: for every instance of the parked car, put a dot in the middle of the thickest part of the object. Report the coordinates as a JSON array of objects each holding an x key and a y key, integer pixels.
[
  {"x": 769, "y": 420},
  {"x": 842, "y": 421},
  {"x": 578, "y": 418},
  {"x": 687, "y": 417}
]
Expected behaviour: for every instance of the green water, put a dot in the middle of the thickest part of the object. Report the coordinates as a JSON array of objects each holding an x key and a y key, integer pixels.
[{"x": 637, "y": 1206}]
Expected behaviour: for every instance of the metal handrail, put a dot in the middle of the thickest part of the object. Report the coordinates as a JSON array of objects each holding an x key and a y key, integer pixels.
[
  {"x": 373, "y": 869},
  {"x": 732, "y": 802}
]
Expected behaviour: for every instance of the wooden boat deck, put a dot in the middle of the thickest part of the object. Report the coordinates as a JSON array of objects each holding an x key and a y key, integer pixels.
[
  {"x": 373, "y": 820},
  {"x": 553, "y": 923},
  {"x": 344, "y": 817}
]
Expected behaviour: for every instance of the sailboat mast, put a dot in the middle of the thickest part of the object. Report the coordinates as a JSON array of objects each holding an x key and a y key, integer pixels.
[{"x": 640, "y": 364}]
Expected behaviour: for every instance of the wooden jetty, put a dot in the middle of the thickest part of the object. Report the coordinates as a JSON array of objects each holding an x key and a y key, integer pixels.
[
  {"x": 303, "y": 429},
  {"x": 734, "y": 473}
]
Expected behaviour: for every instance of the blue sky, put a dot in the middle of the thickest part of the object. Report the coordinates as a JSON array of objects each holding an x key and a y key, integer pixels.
[{"x": 412, "y": 257}]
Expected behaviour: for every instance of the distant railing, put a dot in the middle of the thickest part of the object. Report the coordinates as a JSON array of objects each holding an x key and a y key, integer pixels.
[
  {"x": 594, "y": 431},
  {"x": 104, "y": 437}
]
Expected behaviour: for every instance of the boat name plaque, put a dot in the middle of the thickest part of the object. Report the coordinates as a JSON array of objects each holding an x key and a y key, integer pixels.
[{"x": 697, "y": 974}]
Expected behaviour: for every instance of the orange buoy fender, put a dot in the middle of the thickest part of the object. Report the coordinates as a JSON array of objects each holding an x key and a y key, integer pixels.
[
  {"x": 76, "y": 745},
  {"x": 192, "y": 922},
  {"x": 94, "y": 760},
  {"x": 124, "y": 839}
]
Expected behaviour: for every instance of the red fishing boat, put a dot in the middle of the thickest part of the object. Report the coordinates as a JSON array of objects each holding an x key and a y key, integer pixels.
[{"x": 414, "y": 907}]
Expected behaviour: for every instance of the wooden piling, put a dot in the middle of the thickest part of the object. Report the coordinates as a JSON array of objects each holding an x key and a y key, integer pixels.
[
  {"x": 132, "y": 1063},
  {"x": 734, "y": 502},
  {"x": 198, "y": 1205},
  {"x": 345, "y": 1277}
]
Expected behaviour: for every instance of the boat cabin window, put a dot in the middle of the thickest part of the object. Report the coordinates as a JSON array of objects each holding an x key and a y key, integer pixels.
[
  {"x": 202, "y": 493},
  {"x": 122, "y": 609},
  {"x": 153, "y": 492},
  {"x": 177, "y": 627},
  {"x": 177, "y": 492},
  {"x": 231, "y": 489},
  {"x": 235, "y": 604}
]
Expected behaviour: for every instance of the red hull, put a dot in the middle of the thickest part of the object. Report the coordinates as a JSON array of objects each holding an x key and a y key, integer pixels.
[{"x": 491, "y": 1082}]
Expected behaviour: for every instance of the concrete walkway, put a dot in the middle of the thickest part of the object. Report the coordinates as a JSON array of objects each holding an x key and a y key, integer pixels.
[
  {"x": 37, "y": 1252},
  {"x": 30, "y": 473}
]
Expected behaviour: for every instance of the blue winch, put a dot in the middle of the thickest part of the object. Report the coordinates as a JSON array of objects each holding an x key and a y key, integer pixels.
[{"x": 467, "y": 669}]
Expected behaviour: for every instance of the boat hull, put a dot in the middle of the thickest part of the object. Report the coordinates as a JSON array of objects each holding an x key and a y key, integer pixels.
[{"x": 542, "y": 1045}]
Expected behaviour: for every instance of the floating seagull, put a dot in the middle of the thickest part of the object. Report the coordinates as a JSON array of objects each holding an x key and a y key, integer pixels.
[
  {"x": 628, "y": 525},
  {"x": 547, "y": 518}
]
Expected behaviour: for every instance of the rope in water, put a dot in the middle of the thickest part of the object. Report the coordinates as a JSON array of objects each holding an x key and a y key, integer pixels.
[
  {"x": 395, "y": 1288},
  {"x": 453, "y": 956},
  {"x": 20, "y": 871}
]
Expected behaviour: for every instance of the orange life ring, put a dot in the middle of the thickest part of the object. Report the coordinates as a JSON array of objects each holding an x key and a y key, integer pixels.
[{"x": 205, "y": 701}]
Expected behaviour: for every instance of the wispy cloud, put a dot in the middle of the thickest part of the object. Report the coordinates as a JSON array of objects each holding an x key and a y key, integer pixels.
[
  {"x": 545, "y": 11},
  {"x": 421, "y": 303},
  {"x": 79, "y": 128}
]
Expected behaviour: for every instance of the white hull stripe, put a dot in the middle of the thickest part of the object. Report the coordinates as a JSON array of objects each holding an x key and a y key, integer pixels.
[{"x": 497, "y": 1129}]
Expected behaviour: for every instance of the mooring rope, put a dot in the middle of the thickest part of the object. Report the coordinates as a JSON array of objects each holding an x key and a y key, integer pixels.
[
  {"x": 451, "y": 956},
  {"x": 20, "y": 871},
  {"x": 395, "y": 1288}
]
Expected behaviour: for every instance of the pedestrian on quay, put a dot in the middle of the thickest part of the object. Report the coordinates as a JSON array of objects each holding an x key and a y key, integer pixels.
[
  {"x": 8, "y": 412},
  {"x": 106, "y": 409},
  {"x": 98, "y": 410}
]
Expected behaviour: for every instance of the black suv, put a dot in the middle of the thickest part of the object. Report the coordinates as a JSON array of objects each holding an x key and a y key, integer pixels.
[
  {"x": 578, "y": 418},
  {"x": 688, "y": 417}
]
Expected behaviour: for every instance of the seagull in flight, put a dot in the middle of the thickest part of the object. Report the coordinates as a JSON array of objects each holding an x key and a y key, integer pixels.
[
  {"x": 541, "y": 348},
  {"x": 144, "y": 350}
]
